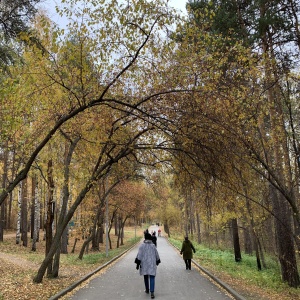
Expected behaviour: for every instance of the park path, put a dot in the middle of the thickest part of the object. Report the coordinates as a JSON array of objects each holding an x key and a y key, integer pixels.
[{"x": 122, "y": 281}]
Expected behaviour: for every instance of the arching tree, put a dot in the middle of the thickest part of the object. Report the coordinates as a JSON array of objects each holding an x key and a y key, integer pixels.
[{"x": 257, "y": 124}]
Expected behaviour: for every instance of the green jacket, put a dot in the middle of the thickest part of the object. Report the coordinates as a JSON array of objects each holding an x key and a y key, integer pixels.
[{"x": 187, "y": 249}]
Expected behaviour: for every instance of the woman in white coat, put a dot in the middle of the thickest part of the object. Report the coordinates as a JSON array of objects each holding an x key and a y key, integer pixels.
[{"x": 147, "y": 261}]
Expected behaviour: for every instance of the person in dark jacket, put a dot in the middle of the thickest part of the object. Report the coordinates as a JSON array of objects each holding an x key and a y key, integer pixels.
[
  {"x": 187, "y": 250},
  {"x": 147, "y": 261},
  {"x": 154, "y": 238},
  {"x": 145, "y": 232}
]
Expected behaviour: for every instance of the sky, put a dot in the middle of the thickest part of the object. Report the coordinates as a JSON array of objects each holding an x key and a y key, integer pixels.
[
  {"x": 49, "y": 5},
  {"x": 179, "y": 4}
]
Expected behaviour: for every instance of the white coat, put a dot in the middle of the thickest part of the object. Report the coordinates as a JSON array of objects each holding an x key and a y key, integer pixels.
[{"x": 148, "y": 255}]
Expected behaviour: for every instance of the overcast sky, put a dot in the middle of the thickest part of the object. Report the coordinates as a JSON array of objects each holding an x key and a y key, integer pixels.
[
  {"x": 49, "y": 6},
  {"x": 179, "y": 4}
]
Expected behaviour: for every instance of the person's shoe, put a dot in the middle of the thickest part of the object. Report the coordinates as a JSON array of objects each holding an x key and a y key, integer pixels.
[
  {"x": 147, "y": 291},
  {"x": 152, "y": 296}
]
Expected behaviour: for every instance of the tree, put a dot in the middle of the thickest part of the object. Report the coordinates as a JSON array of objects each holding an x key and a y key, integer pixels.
[
  {"x": 15, "y": 16},
  {"x": 259, "y": 24},
  {"x": 122, "y": 70}
]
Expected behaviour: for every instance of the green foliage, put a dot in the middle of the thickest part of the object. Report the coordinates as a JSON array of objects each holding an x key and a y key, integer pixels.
[
  {"x": 216, "y": 260},
  {"x": 15, "y": 20}
]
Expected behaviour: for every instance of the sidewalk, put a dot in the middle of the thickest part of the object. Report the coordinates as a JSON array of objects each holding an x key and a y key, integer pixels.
[{"x": 122, "y": 281}]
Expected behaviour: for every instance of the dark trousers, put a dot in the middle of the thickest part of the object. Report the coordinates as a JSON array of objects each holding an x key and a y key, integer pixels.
[
  {"x": 150, "y": 278},
  {"x": 188, "y": 264}
]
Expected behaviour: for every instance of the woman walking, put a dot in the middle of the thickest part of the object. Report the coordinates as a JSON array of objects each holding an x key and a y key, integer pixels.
[
  {"x": 147, "y": 261},
  {"x": 187, "y": 250}
]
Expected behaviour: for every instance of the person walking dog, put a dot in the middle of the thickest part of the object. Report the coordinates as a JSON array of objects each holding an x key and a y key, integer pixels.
[
  {"x": 147, "y": 260},
  {"x": 187, "y": 250}
]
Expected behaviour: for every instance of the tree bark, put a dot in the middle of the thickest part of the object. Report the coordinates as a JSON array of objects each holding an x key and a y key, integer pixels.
[
  {"x": 198, "y": 228},
  {"x": 32, "y": 207},
  {"x": 50, "y": 214},
  {"x": 3, "y": 206},
  {"x": 36, "y": 215},
  {"x": 24, "y": 213},
  {"x": 236, "y": 240},
  {"x": 247, "y": 239},
  {"x": 279, "y": 160},
  {"x": 285, "y": 242},
  {"x": 18, "y": 233}
]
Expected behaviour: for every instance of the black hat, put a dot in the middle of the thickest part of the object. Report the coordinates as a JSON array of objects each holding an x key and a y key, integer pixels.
[{"x": 148, "y": 236}]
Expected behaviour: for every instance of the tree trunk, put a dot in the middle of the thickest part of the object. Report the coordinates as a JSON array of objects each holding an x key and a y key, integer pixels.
[
  {"x": 280, "y": 162},
  {"x": 36, "y": 215},
  {"x": 166, "y": 228},
  {"x": 56, "y": 261},
  {"x": 108, "y": 234},
  {"x": 198, "y": 228},
  {"x": 24, "y": 213},
  {"x": 85, "y": 245},
  {"x": 100, "y": 232},
  {"x": 50, "y": 214},
  {"x": 236, "y": 240},
  {"x": 3, "y": 206},
  {"x": 119, "y": 230},
  {"x": 74, "y": 246},
  {"x": 256, "y": 248},
  {"x": 98, "y": 236},
  {"x": 116, "y": 225},
  {"x": 248, "y": 240},
  {"x": 65, "y": 241},
  {"x": 66, "y": 193},
  {"x": 18, "y": 234},
  {"x": 32, "y": 210},
  {"x": 285, "y": 242},
  {"x": 120, "y": 241},
  {"x": 11, "y": 194}
]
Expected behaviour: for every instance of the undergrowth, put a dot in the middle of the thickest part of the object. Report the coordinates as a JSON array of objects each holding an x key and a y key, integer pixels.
[{"x": 246, "y": 270}]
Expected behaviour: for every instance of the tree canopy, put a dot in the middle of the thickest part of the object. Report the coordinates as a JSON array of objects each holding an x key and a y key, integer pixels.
[{"x": 189, "y": 120}]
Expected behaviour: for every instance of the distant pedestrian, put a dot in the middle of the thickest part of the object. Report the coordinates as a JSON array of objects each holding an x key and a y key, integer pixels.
[
  {"x": 187, "y": 250},
  {"x": 159, "y": 232},
  {"x": 145, "y": 232},
  {"x": 147, "y": 261},
  {"x": 154, "y": 238}
]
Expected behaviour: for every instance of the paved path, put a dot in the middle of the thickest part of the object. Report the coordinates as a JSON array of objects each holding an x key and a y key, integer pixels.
[{"x": 173, "y": 281}]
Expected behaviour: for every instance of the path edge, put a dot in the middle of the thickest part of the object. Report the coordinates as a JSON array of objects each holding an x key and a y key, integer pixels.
[
  {"x": 87, "y": 276},
  {"x": 225, "y": 286}
]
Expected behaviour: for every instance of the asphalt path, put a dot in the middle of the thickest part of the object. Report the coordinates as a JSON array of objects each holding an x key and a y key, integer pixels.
[{"x": 121, "y": 280}]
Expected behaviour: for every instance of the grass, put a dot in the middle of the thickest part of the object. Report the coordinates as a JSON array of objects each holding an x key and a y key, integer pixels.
[
  {"x": 221, "y": 262},
  {"x": 98, "y": 258}
]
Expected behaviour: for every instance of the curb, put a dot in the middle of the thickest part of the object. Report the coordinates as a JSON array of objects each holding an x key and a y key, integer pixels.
[
  {"x": 78, "y": 282},
  {"x": 225, "y": 286}
]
